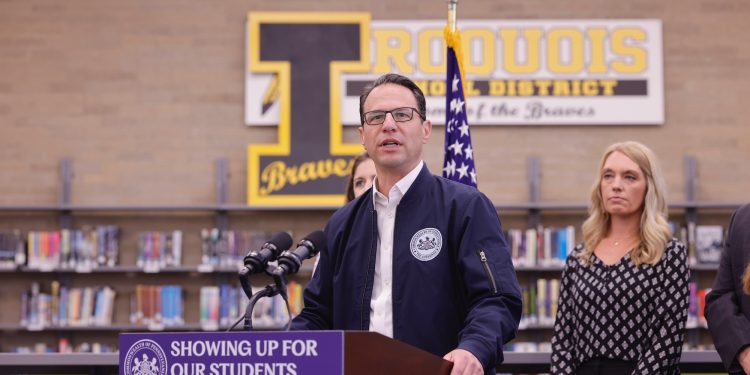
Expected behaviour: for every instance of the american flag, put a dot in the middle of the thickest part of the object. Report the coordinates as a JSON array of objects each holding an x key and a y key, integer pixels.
[{"x": 458, "y": 164}]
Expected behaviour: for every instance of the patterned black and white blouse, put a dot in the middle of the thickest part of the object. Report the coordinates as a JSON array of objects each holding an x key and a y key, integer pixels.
[{"x": 622, "y": 312}]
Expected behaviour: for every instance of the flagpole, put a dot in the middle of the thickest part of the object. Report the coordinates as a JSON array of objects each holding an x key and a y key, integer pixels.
[
  {"x": 458, "y": 161},
  {"x": 452, "y": 15}
]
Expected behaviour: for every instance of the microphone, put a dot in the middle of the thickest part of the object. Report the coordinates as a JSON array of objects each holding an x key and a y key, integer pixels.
[
  {"x": 290, "y": 261},
  {"x": 256, "y": 261}
]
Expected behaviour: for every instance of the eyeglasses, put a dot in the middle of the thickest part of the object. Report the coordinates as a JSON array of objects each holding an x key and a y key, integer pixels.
[{"x": 402, "y": 114}]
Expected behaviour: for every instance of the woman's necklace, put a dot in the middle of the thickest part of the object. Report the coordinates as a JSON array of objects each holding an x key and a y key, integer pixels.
[{"x": 623, "y": 240}]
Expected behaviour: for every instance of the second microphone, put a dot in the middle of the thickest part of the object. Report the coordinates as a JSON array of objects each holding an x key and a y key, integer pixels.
[{"x": 308, "y": 247}]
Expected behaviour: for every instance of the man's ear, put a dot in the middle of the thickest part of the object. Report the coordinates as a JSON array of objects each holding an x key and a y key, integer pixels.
[{"x": 426, "y": 130}]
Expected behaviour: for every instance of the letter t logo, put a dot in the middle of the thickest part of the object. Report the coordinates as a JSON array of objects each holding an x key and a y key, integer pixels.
[{"x": 308, "y": 52}]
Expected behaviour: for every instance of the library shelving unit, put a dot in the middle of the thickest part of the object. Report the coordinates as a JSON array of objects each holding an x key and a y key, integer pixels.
[
  {"x": 123, "y": 277},
  {"x": 190, "y": 219}
]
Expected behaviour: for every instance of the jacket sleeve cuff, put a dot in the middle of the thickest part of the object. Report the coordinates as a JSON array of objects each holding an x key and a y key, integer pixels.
[
  {"x": 479, "y": 349},
  {"x": 734, "y": 366}
]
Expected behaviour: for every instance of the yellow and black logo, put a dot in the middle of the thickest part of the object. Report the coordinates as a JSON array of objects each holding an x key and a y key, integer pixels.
[{"x": 307, "y": 53}]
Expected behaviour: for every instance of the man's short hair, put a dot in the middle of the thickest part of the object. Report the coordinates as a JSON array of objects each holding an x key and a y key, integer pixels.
[{"x": 398, "y": 80}]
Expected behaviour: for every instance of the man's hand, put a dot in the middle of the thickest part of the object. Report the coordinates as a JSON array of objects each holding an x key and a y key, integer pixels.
[
  {"x": 743, "y": 358},
  {"x": 464, "y": 363}
]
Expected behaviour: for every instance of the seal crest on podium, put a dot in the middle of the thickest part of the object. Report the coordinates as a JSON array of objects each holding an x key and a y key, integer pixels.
[{"x": 145, "y": 357}]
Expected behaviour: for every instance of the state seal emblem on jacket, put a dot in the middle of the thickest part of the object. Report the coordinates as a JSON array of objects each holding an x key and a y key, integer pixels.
[{"x": 425, "y": 245}]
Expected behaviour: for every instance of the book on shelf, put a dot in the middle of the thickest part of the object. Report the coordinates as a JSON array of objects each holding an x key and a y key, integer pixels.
[
  {"x": 696, "y": 317},
  {"x": 546, "y": 346},
  {"x": 227, "y": 248},
  {"x": 223, "y": 305},
  {"x": 157, "y": 250},
  {"x": 528, "y": 347},
  {"x": 709, "y": 243},
  {"x": 82, "y": 249},
  {"x": 689, "y": 241},
  {"x": 157, "y": 306},
  {"x": 705, "y": 243},
  {"x": 63, "y": 306},
  {"x": 90, "y": 248},
  {"x": 12, "y": 252},
  {"x": 545, "y": 247},
  {"x": 64, "y": 345},
  {"x": 540, "y": 299}
]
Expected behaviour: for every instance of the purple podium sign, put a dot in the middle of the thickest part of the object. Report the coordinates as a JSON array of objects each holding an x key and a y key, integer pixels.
[{"x": 232, "y": 353}]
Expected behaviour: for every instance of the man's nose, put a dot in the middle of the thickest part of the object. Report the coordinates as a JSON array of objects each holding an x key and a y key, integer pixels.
[{"x": 389, "y": 122}]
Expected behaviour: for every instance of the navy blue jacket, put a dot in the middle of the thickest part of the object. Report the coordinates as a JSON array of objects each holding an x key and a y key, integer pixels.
[
  {"x": 466, "y": 297},
  {"x": 727, "y": 305}
]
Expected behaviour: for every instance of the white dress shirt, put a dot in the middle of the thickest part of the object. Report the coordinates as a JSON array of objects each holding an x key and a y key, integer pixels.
[{"x": 381, "y": 304}]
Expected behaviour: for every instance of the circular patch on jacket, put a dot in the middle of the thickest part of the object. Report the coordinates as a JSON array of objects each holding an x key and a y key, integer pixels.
[{"x": 426, "y": 244}]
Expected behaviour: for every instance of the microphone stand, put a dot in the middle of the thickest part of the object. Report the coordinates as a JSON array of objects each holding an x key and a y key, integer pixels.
[
  {"x": 279, "y": 279},
  {"x": 268, "y": 291},
  {"x": 277, "y": 288}
]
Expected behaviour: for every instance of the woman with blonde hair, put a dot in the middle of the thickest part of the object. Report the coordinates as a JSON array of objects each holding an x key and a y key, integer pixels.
[
  {"x": 728, "y": 304},
  {"x": 624, "y": 290}
]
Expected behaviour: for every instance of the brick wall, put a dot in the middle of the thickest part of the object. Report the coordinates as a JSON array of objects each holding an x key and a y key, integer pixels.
[{"x": 145, "y": 95}]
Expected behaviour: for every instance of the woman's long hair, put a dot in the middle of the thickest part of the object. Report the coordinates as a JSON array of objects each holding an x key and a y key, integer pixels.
[{"x": 654, "y": 229}]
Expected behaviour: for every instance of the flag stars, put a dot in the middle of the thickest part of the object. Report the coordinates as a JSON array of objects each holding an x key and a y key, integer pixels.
[
  {"x": 450, "y": 168},
  {"x": 459, "y": 105},
  {"x": 457, "y": 148},
  {"x": 464, "y": 128},
  {"x": 450, "y": 125},
  {"x": 463, "y": 171},
  {"x": 468, "y": 152}
]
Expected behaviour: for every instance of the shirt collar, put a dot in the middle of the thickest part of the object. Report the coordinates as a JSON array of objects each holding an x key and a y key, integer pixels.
[{"x": 401, "y": 186}]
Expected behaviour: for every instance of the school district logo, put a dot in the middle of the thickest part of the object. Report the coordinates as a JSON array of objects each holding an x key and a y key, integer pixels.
[
  {"x": 145, "y": 357},
  {"x": 426, "y": 244}
]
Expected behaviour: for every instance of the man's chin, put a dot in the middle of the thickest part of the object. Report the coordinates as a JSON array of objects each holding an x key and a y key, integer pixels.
[{"x": 390, "y": 161}]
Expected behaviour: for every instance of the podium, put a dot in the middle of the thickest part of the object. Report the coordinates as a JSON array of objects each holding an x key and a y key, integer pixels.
[{"x": 280, "y": 353}]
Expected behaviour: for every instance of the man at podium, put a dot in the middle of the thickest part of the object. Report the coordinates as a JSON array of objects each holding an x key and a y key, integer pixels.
[{"x": 418, "y": 258}]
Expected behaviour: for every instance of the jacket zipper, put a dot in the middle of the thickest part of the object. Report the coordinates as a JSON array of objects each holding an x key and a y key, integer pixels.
[
  {"x": 367, "y": 277},
  {"x": 483, "y": 258}
]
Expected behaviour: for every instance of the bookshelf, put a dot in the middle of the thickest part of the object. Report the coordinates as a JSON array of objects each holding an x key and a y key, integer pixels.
[
  {"x": 190, "y": 219},
  {"x": 124, "y": 281},
  {"x": 123, "y": 277}
]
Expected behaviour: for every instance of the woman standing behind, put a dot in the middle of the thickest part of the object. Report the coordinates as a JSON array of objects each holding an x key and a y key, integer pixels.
[
  {"x": 624, "y": 291},
  {"x": 728, "y": 304},
  {"x": 363, "y": 174}
]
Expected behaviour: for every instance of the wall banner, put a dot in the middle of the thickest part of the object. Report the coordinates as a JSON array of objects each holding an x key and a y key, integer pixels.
[{"x": 305, "y": 72}]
